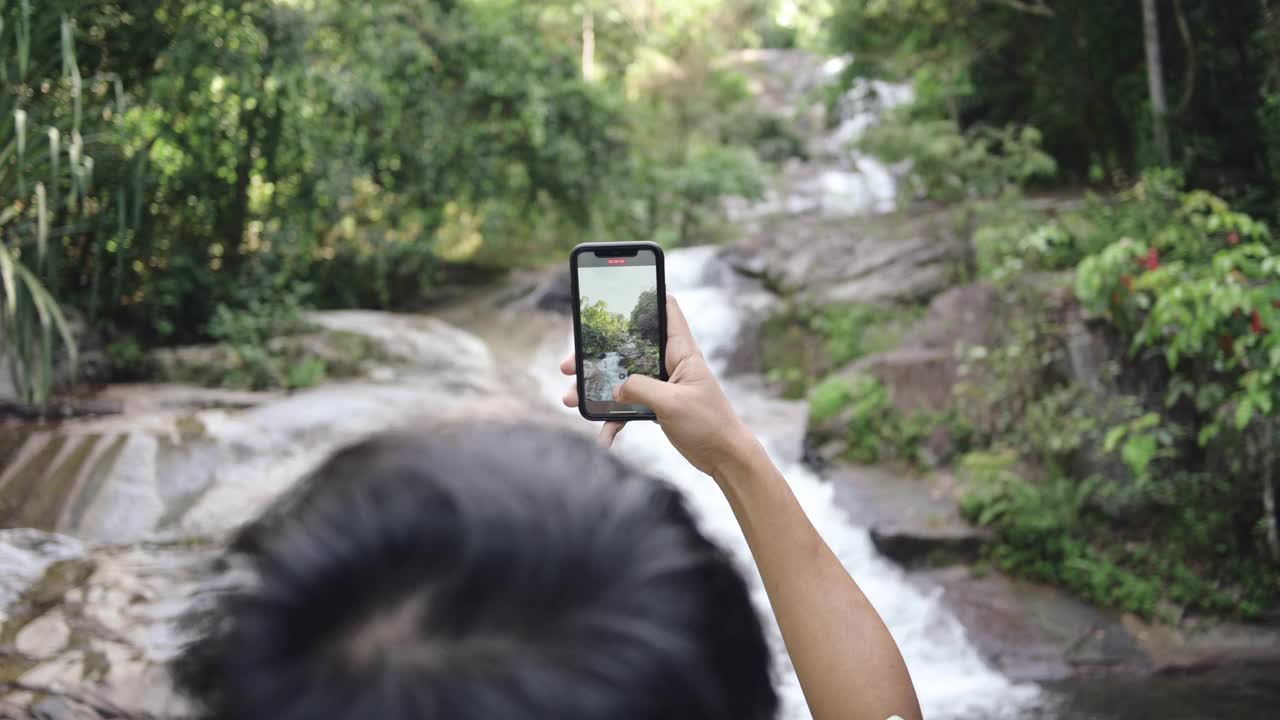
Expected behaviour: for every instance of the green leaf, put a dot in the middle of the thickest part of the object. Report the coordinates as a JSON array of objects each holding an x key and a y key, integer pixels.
[
  {"x": 1208, "y": 433},
  {"x": 1114, "y": 435},
  {"x": 1244, "y": 413},
  {"x": 8, "y": 283}
]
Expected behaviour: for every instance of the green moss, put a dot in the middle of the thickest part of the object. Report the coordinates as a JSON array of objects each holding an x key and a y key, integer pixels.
[
  {"x": 829, "y": 397},
  {"x": 803, "y": 344},
  {"x": 58, "y": 579}
]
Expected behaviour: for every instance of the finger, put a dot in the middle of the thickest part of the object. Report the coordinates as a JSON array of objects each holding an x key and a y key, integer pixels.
[
  {"x": 609, "y": 432},
  {"x": 643, "y": 390},
  {"x": 569, "y": 365},
  {"x": 677, "y": 325},
  {"x": 680, "y": 342},
  {"x": 570, "y": 398}
]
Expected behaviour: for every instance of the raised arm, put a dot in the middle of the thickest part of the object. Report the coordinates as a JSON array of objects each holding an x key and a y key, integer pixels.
[{"x": 848, "y": 664}]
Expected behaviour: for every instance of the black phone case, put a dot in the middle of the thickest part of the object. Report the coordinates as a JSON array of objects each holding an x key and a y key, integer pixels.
[{"x": 577, "y": 319}]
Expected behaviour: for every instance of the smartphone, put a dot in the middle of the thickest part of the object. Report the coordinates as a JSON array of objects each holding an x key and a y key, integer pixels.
[{"x": 619, "y": 323}]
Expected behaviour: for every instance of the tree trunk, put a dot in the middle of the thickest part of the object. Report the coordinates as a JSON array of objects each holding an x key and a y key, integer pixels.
[
  {"x": 1155, "y": 80},
  {"x": 1269, "y": 492},
  {"x": 588, "y": 46}
]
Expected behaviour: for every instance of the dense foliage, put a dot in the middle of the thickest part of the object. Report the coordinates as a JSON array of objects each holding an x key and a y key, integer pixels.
[
  {"x": 1150, "y": 482},
  {"x": 644, "y": 316},
  {"x": 602, "y": 331},
  {"x": 354, "y": 154},
  {"x": 1082, "y": 82}
]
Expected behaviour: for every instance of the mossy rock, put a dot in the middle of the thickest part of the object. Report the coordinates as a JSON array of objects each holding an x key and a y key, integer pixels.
[
  {"x": 327, "y": 354},
  {"x": 59, "y": 578}
]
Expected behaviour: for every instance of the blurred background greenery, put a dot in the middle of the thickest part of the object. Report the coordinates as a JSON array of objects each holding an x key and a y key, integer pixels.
[{"x": 179, "y": 171}]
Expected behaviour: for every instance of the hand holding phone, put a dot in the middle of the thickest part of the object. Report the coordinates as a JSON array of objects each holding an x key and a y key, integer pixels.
[
  {"x": 691, "y": 406},
  {"x": 619, "y": 324}
]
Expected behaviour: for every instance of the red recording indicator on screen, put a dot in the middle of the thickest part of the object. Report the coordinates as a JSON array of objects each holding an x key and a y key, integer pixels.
[{"x": 617, "y": 261}]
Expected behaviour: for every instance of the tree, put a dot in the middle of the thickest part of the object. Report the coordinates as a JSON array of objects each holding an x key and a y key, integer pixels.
[
  {"x": 1084, "y": 82},
  {"x": 644, "y": 317},
  {"x": 602, "y": 331},
  {"x": 1155, "y": 80}
]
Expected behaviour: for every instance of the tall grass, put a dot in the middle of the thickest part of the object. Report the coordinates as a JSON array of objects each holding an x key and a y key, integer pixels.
[{"x": 54, "y": 224}]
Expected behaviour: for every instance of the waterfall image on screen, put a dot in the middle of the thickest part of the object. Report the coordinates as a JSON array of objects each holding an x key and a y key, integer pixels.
[{"x": 620, "y": 325}]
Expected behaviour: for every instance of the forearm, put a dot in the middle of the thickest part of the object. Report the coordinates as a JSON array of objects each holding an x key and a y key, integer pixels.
[{"x": 848, "y": 664}]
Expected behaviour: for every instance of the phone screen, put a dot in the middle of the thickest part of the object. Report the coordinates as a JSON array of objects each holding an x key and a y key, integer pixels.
[{"x": 621, "y": 325}]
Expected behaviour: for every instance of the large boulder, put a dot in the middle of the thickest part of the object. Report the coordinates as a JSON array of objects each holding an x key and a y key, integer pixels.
[
  {"x": 962, "y": 315},
  {"x": 912, "y": 520},
  {"x": 920, "y": 379},
  {"x": 921, "y": 374},
  {"x": 1035, "y": 632},
  {"x": 196, "y": 469},
  {"x": 896, "y": 257}
]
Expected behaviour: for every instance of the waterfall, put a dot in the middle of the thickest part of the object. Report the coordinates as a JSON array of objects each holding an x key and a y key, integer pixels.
[
  {"x": 603, "y": 375},
  {"x": 950, "y": 677}
]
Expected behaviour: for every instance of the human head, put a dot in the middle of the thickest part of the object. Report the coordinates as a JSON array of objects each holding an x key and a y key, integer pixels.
[{"x": 486, "y": 574}]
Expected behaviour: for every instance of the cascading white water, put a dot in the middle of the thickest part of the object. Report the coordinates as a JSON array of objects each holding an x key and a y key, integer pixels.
[
  {"x": 951, "y": 679},
  {"x": 603, "y": 375}
]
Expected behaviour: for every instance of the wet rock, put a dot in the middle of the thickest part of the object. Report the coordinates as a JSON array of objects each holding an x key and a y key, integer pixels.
[
  {"x": 550, "y": 291},
  {"x": 914, "y": 521},
  {"x": 938, "y": 447},
  {"x": 346, "y": 353},
  {"x": 1034, "y": 632},
  {"x": 636, "y": 361},
  {"x": 43, "y": 636},
  {"x": 747, "y": 354},
  {"x": 165, "y": 467},
  {"x": 1199, "y": 645},
  {"x": 919, "y": 379},
  {"x": 921, "y": 374},
  {"x": 819, "y": 261},
  {"x": 194, "y": 364},
  {"x": 962, "y": 315},
  {"x": 112, "y": 626}
]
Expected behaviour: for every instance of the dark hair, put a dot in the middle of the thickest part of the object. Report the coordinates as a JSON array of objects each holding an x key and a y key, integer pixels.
[{"x": 487, "y": 574}]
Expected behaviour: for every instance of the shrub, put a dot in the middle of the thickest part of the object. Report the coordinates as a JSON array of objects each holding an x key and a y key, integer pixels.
[
  {"x": 62, "y": 209},
  {"x": 947, "y": 164},
  {"x": 247, "y": 327},
  {"x": 802, "y": 344},
  {"x": 859, "y": 411},
  {"x": 1201, "y": 291}
]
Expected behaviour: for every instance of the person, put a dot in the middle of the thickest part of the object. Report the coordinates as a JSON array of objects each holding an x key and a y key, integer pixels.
[{"x": 524, "y": 573}]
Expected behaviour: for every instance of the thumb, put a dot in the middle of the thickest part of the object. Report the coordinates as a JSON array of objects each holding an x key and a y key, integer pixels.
[{"x": 643, "y": 390}]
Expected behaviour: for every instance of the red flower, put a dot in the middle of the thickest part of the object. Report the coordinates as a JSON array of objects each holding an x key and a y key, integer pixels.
[
  {"x": 1127, "y": 281},
  {"x": 1152, "y": 260},
  {"x": 1256, "y": 324},
  {"x": 1227, "y": 343},
  {"x": 1233, "y": 238}
]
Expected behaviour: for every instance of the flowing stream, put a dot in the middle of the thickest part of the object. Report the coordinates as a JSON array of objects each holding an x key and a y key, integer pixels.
[
  {"x": 603, "y": 375},
  {"x": 951, "y": 679}
]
